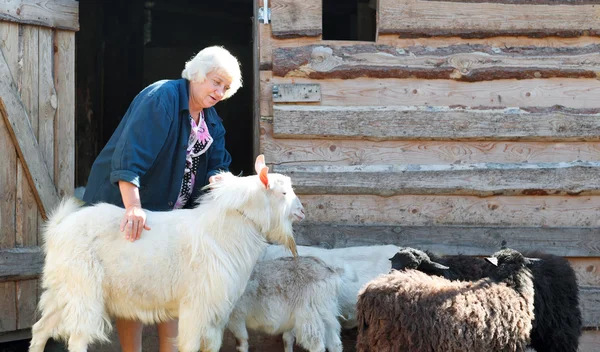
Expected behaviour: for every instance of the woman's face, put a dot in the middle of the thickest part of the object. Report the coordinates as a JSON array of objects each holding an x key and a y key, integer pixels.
[{"x": 209, "y": 92}]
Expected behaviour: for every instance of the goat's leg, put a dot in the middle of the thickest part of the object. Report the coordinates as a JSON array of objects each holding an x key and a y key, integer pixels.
[
  {"x": 333, "y": 342},
  {"x": 78, "y": 342},
  {"x": 237, "y": 326},
  {"x": 42, "y": 330},
  {"x": 310, "y": 331},
  {"x": 288, "y": 341}
]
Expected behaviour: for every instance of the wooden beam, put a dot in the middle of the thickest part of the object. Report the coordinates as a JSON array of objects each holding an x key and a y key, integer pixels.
[
  {"x": 469, "y": 240},
  {"x": 468, "y": 63},
  {"x": 485, "y": 179},
  {"x": 21, "y": 263},
  {"x": 293, "y": 19},
  {"x": 414, "y": 18},
  {"x": 589, "y": 300},
  {"x": 62, "y": 14},
  {"x": 17, "y": 122},
  {"x": 435, "y": 123}
]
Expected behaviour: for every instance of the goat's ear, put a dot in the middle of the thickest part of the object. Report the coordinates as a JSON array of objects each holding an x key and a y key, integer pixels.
[
  {"x": 259, "y": 163},
  {"x": 263, "y": 176}
]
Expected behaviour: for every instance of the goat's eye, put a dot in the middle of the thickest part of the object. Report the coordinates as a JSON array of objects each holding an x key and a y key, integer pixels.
[{"x": 284, "y": 193}]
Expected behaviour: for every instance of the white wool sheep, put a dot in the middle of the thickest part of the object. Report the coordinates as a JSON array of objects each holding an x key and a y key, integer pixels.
[
  {"x": 285, "y": 295},
  {"x": 194, "y": 264},
  {"x": 358, "y": 265}
]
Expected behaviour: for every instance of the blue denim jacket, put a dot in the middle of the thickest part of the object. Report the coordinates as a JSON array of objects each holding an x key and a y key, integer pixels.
[{"x": 148, "y": 149}]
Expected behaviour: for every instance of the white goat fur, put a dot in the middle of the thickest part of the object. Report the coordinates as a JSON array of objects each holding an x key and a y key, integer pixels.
[
  {"x": 287, "y": 294},
  {"x": 194, "y": 264},
  {"x": 358, "y": 265}
]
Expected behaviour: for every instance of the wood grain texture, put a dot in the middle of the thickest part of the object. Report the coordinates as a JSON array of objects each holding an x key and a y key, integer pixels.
[
  {"x": 64, "y": 128},
  {"x": 55, "y": 13},
  {"x": 21, "y": 263},
  {"x": 587, "y": 270},
  {"x": 566, "y": 92},
  {"x": 482, "y": 180},
  {"x": 468, "y": 63},
  {"x": 435, "y": 123},
  {"x": 420, "y": 210},
  {"x": 413, "y": 18},
  {"x": 589, "y": 298},
  {"x": 292, "y": 18},
  {"x": 17, "y": 123},
  {"x": 344, "y": 152}
]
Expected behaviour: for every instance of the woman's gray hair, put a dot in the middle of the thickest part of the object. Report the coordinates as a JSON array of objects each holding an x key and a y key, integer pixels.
[{"x": 219, "y": 60}]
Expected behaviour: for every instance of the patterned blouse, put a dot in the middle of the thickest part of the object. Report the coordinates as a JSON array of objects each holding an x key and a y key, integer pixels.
[{"x": 198, "y": 143}]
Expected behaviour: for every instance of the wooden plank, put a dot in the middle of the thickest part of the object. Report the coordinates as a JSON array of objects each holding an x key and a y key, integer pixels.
[
  {"x": 64, "y": 137},
  {"x": 468, "y": 63},
  {"x": 431, "y": 123},
  {"x": 589, "y": 298},
  {"x": 27, "y": 212},
  {"x": 256, "y": 43},
  {"x": 265, "y": 51},
  {"x": 482, "y": 180},
  {"x": 589, "y": 341},
  {"x": 9, "y": 48},
  {"x": 56, "y": 14},
  {"x": 21, "y": 263},
  {"x": 16, "y": 120},
  {"x": 566, "y": 92},
  {"x": 342, "y": 152},
  {"x": 48, "y": 99},
  {"x": 292, "y": 18},
  {"x": 287, "y": 93},
  {"x": 417, "y": 210},
  {"x": 266, "y": 93},
  {"x": 587, "y": 270},
  {"x": 413, "y": 18},
  {"x": 469, "y": 240}
]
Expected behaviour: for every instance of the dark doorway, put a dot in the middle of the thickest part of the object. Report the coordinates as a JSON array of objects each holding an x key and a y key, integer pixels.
[{"x": 124, "y": 46}]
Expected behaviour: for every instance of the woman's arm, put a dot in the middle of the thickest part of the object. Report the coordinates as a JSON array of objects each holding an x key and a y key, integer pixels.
[{"x": 134, "y": 220}]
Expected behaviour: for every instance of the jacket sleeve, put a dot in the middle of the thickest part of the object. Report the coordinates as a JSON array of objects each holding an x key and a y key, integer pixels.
[
  {"x": 218, "y": 157},
  {"x": 144, "y": 134}
]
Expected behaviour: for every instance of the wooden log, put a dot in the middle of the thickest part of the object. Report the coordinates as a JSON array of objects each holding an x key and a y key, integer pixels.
[
  {"x": 567, "y": 92},
  {"x": 424, "y": 210},
  {"x": 468, "y": 63},
  {"x": 414, "y": 18},
  {"x": 343, "y": 152},
  {"x": 17, "y": 123},
  {"x": 433, "y": 123},
  {"x": 21, "y": 263},
  {"x": 482, "y": 180},
  {"x": 291, "y": 18},
  {"x": 468, "y": 240},
  {"x": 62, "y": 14}
]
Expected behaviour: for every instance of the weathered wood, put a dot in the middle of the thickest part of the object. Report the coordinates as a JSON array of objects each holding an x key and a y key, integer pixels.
[
  {"x": 287, "y": 93},
  {"x": 62, "y": 14},
  {"x": 469, "y": 240},
  {"x": 17, "y": 122},
  {"x": 412, "y": 18},
  {"x": 265, "y": 51},
  {"x": 483, "y": 180},
  {"x": 567, "y": 92},
  {"x": 589, "y": 341},
  {"x": 266, "y": 93},
  {"x": 417, "y": 210},
  {"x": 590, "y": 306},
  {"x": 48, "y": 99},
  {"x": 21, "y": 263},
  {"x": 8, "y": 318},
  {"x": 292, "y": 18},
  {"x": 427, "y": 122},
  {"x": 457, "y": 62},
  {"x": 365, "y": 152},
  {"x": 256, "y": 49},
  {"x": 64, "y": 138},
  {"x": 587, "y": 270}
]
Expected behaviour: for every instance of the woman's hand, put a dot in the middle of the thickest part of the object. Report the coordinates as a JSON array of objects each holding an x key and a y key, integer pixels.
[
  {"x": 215, "y": 178},
  {"x": 134, "y": 222}
]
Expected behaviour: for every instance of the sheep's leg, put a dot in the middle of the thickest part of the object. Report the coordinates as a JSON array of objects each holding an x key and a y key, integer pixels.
[
  {"x": 310, "y": 331},
  {"x": 288, "y": 341},
  {"x": 42, "y": 330},
  {"x": 196, "y": 334},
  {"x": 237, "y": 326},
  {"x": 332, "y": 332}
]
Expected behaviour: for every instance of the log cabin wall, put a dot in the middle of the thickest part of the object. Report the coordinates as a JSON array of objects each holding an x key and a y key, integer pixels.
[
  {"x": 464, "y": 126},
  {"x": 37, "y": 101}
]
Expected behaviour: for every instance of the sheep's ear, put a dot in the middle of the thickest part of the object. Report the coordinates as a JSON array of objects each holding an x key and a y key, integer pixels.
[
  {"x": 529, "y": 261},
  {"x": 434, "y": 265},
  {"x": 263, "y": 176},
  {"x": 492, "y": 260},
  {"x": 259, "y": 163}
]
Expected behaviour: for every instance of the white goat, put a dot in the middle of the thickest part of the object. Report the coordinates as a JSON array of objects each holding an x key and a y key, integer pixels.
[
  {"x": 357, "y": 265},
  {"x": 290, "y": 294},
  {"x": 194, "y": 264}
]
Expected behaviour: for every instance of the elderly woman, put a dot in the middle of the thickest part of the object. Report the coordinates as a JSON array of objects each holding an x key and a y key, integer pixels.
[{"x": 169, "y": 145}]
